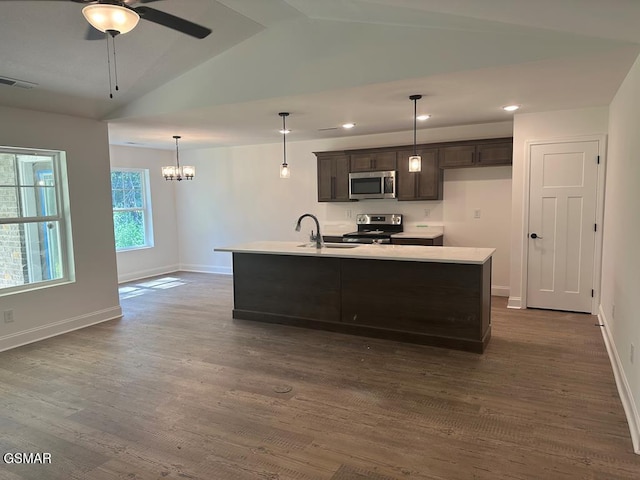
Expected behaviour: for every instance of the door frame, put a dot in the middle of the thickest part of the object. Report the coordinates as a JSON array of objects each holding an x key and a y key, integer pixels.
[{"x": 600, "y": 191}]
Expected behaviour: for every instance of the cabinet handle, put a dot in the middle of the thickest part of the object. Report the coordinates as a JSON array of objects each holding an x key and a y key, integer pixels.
[
  {"x": 473, "y": 157},
  {"x": 479, "y": 157},
  {"x": 333, "y": 187}
]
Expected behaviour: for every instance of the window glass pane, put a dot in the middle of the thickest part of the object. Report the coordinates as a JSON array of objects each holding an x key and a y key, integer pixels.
[
  {"x": 129, "y": 229},
  {"x": 116, "y": 180},
  {"x": 30, "y": 253},
  {"x": 9, "y": 207},
  {"x": 7, "y": 169},
  {"x": 117, "y": 198},
  {"x": 38, "y": 201},
  {"x": 35, "y": 170}
]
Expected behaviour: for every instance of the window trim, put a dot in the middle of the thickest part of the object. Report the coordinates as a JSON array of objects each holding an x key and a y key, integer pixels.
[
  {"x": 146, "y": 209},
  {"x": 62, "y": 216}
]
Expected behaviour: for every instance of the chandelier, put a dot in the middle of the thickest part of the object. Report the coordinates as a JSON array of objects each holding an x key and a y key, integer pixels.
[{"x": 177, "y": 172}]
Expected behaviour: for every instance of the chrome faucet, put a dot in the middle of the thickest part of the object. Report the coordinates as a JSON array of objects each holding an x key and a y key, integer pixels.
[{"x": 314, "y": 238}]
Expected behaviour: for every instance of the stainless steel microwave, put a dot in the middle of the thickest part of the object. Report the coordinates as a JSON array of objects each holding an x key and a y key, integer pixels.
[{"x": 364, "y": 185}]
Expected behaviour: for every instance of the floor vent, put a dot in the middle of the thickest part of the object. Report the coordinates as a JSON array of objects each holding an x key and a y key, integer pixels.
[{"x": 13, "y": 82}]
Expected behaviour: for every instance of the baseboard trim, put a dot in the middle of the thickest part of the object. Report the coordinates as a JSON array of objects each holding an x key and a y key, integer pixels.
[
  {"x": 133, "y": 276},
  {"x": 206, "y": 269},
  {"x": 515, "y": 302},
  {"x": 499, "y": 291},
  {"x": 36, "y": 334},
  {"x": 626, "y": 395}
]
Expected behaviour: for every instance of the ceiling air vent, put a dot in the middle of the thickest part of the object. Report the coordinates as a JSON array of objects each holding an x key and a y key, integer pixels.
[{"x": 13, "y": 82}]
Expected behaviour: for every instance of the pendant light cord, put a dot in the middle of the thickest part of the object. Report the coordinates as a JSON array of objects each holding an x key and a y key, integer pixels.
[
  {"x": 115, "y": 63},
  {"x": 109, "y": 67},
  {"x": 415, "y": 113},
  {"x": 284, "y": 139},
  {"x": 177, "y": 154}
]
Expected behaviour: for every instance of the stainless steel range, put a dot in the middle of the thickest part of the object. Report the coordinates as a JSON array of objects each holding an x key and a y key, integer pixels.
[{"x": 374, "y": 228}]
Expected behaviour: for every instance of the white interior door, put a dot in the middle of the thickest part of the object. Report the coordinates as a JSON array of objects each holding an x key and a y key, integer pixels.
[{"x": 562, "y": 216}]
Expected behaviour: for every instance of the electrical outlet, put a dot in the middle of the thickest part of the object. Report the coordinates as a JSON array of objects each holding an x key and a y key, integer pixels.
[
  {"x": 347, "y": 213},
  {"x": 632, "y": 351},
  {"x": 476, "y": 213},
  {"x": 427, "y": 212},
  {"x": 8, "y": 316}
]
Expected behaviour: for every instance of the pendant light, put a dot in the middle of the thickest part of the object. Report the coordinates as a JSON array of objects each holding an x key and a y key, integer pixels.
[
  {"x": 177, "y": 172},
  {"x": 415, "y": 161},
  {"x": 285, "y": 171}
]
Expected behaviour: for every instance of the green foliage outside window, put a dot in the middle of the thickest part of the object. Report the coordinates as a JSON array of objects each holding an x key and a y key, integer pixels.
[{"x": 128, "y": 199}]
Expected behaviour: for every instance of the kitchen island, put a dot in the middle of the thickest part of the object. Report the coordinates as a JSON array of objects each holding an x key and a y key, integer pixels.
[{"x": 437, "y": 296}]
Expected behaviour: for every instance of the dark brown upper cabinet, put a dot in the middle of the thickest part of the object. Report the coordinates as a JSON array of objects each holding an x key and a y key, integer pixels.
[
  {"x": 372, "y": 161},
  {"x": 334, "y": 167},
  {"x": 423, "y": 185},
  {"x": 498, "y": 151},
  {"x": 333, "y": 177}
]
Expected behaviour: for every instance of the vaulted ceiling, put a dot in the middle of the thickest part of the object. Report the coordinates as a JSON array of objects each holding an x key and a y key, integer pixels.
[{"x": 326, "y": 62}]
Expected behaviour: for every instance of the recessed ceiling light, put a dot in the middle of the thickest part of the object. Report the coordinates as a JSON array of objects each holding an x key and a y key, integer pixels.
[
  {"x": 511, "y": 108},
  {"x": 348, "y": 125},
  {"x": 284, "y": 131},
  {"x": 423, "y": 117}
]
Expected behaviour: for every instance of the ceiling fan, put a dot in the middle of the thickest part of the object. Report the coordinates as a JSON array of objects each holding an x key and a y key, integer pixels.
[
  {"x": 109, "y": 18},
  {"x": 120, "y": 16}
]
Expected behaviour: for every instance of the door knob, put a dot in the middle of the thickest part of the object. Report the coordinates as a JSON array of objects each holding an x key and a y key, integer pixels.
[{"x": 535, "y": 235}]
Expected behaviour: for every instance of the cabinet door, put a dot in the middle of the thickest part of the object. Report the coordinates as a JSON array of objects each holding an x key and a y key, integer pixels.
[
  {"x": 423, "y": 185},
  {"x": 341, "y": 181},
  {"x": 495, "y": 154},
  {"x": 326, "y": 169},
  {"x": 429, "y": 186},
  {"x": 361, "y": 162},
  {"x": 373, "y": 161},
  {"x": 384, "y": 161},
  {"x": 457, "y": 156}
]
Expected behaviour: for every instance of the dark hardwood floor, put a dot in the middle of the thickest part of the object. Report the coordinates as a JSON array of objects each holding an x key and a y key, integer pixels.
[{"x": 178, "y": 390}]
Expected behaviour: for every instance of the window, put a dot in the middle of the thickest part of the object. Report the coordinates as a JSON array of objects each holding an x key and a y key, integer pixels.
[
  {"x": 131, "y": 208},
  {"x": 35, "y": 233}
]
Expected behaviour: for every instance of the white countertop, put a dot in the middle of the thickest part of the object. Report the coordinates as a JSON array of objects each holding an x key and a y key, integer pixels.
[{"x": 412, "y": 253}]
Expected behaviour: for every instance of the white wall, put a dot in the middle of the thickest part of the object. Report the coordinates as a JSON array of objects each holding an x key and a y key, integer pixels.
[
  {"x": 238, "y": 196},
  {"x": 541, "y": 126},
  {"x": 93, "y": 297},
  {"x": 163, "y": 256},
  {"x": 621, "y": 256}
]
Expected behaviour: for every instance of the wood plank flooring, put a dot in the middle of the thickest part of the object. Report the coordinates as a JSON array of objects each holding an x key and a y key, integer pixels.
[{"x": 178, "y": 390}]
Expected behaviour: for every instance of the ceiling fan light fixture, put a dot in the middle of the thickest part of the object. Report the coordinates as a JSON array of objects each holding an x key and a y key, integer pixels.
[{"x": 108, "y": 17}]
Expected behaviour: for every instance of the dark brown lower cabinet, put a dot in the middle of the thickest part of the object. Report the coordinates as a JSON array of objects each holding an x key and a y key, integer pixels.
[
  {"x": 441, "y": 304},
  {"x": 426, "y": 242}
]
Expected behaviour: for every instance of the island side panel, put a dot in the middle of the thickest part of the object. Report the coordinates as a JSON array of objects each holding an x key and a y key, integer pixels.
[
  {"x": 278, "y": 288},
  {"x": 444, "y": 304}
]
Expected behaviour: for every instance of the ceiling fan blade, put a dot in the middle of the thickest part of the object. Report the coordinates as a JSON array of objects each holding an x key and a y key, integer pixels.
[{"x": 173, "y": 22}]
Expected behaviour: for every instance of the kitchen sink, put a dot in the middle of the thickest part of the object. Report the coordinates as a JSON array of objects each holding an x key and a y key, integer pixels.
[{"x": 330, "y": 245}]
